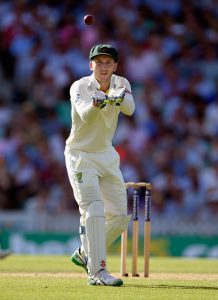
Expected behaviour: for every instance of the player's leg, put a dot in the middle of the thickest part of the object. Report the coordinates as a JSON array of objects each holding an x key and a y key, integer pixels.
[
  {"x": 115, "y": 201},
  {"x": 115, "y": 225},
  {"x": 96, "y": 245},
  {"x": 84, "y": 181},
  {"x": 96, "y": 241},
  {"x": 92, "y": 235},
  {"x": 73, "y": 161}
]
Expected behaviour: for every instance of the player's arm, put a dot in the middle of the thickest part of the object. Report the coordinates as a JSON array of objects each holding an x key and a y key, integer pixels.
[
  {"x": 122, "y": 97},
  {"x": 127, "y": 106},
  {"x": 83, "y": 103}
]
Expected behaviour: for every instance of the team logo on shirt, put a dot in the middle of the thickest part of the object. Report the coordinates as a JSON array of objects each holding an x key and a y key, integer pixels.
[{"x": 78, "y": 177}]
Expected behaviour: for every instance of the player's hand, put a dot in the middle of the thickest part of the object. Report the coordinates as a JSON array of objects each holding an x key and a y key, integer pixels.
[
  {"x": 118, "y": 96},
  {"x": 99, "y": 99}
]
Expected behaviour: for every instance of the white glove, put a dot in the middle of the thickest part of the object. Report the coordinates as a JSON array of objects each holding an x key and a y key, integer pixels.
[
  {"x": 117, "y": 96},
  {"x": 98, "y": 99}
]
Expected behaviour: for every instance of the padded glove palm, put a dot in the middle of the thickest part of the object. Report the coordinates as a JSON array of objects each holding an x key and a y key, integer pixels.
[{"x": 98, "y": 99}]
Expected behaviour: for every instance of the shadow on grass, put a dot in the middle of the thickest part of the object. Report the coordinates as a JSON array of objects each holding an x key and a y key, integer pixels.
[{"x": 165, "y": 286}]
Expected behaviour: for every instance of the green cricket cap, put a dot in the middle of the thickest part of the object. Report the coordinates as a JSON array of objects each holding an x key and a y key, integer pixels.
[{"x": 103, "y": 49}]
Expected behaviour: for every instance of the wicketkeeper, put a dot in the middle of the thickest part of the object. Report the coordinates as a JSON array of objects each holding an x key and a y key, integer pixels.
[{"x": 93, "y": 163}]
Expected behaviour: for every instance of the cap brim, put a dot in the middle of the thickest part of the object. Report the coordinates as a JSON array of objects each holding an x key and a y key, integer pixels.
[{"x": 103, "y": 54}]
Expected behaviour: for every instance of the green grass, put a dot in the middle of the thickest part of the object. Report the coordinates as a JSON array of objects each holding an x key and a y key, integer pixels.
[{"x": 37, "y": 280}]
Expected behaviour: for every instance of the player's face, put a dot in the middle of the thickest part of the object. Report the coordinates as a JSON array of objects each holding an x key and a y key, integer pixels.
[{"x": 103, "y": 66}]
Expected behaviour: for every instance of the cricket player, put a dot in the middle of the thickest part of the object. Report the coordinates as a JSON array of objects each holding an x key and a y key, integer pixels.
[{"x": 93, "y": 164}]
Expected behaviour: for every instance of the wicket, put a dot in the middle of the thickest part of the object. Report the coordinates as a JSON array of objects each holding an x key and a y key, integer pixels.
[{"x": 135, "y": 231}]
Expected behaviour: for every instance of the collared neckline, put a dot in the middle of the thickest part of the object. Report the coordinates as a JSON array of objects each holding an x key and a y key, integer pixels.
[
  {"x": 97, "y": 84},
  {"x": 94, "y": 81}
]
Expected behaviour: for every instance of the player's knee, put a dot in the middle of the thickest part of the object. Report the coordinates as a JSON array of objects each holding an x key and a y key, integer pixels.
[
  {"x": 120, "y": 222},
  {"x": 115, "y": 225},
  {"x": 95, "y": 209}
]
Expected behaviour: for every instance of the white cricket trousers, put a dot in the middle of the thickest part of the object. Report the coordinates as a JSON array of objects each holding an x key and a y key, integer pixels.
[
  {"x": 100, "y": 192},
  {"x": 97, "y": 176}
]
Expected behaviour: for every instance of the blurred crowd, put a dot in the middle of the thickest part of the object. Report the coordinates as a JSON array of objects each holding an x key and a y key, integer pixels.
[{"x": 168, "y": 51}]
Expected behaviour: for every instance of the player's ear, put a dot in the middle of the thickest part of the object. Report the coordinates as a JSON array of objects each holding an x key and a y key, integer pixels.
[{"x": 90, "y": 65}]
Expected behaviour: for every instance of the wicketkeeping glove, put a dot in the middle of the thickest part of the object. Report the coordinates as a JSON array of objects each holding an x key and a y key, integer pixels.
[
  {"x": 117, "y": 96},
  {"x": 99, "y": 99}
]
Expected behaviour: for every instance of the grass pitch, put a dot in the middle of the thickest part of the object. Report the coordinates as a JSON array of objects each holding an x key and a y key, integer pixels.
[{"x": 56, "y": 278}]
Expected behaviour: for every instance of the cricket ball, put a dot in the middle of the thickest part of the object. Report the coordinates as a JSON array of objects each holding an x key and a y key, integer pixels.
[{"x": 88, "y": 20}]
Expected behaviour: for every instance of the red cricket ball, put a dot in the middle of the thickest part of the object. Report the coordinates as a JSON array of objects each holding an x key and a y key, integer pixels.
[{"x": 88, "y": 19}]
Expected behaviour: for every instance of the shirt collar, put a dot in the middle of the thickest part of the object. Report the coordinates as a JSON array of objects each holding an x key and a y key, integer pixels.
[{"x": 94, "y": 82}]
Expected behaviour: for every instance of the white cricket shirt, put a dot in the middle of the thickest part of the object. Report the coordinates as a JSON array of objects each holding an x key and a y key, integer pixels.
[{"x": 93, "y": 128}]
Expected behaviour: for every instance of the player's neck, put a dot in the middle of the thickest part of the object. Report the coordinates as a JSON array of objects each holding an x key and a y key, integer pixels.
[
  {"x": 104, "y": 87},
  {"x": 103, "y": 84}
]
